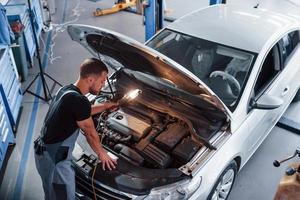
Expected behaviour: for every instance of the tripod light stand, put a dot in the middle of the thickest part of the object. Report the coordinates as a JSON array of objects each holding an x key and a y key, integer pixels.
[{"x": 41, "y": 74}]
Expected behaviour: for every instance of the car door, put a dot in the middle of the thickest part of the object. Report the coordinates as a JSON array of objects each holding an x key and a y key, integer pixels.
[
  {"x": 268, "y": 82},
  {"x": 276, "y": 78}
]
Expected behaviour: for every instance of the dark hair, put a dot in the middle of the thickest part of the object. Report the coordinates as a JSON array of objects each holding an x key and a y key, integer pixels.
[{"x": 92, "y": 66}]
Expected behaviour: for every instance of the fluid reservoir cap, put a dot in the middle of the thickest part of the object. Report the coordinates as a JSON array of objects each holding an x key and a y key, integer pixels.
[{"x": 119, "y": 117}]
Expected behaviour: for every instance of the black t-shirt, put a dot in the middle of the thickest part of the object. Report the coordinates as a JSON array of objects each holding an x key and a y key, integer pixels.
[{"x": 64, "y": 112}]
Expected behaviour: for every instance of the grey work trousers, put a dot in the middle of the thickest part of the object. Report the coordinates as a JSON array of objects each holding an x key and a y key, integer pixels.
[{"x": 56, "y": 171}]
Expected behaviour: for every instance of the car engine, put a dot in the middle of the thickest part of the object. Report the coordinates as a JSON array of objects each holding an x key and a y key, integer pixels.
[{"x": 145, "y": 137}]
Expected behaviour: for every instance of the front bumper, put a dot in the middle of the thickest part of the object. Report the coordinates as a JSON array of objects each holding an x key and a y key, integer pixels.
[
  {"x": 127, "y": 181},
  {"x": 84, "y": 188}
]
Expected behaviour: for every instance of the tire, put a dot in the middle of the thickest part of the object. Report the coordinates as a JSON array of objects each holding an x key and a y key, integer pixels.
[
  {"x": 297, "y": 96},
  {"x": 216, "y": 192}
]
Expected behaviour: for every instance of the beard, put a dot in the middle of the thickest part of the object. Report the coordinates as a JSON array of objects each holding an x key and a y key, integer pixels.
[{"x": 94, "y": 91}]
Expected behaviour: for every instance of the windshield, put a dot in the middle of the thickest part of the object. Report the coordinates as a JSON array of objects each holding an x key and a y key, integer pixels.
[{"x": 224, "y": 69}]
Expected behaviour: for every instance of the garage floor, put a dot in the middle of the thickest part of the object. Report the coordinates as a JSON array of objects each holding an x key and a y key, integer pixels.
[{"x": 61, "y": 58}]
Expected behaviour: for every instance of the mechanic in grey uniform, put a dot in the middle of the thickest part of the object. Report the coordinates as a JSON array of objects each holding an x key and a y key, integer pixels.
[{"x": 70, "y": 111}]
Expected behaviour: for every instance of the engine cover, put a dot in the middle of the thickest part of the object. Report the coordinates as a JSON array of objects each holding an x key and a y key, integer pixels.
[{"x": 128, "y": 124}]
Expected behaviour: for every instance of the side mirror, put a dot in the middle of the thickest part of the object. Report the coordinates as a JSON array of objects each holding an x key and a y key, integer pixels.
[{"x": 267, "y": 102}]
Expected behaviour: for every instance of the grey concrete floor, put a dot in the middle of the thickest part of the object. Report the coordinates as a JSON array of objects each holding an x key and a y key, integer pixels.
[{"x": 256, "y": 181}]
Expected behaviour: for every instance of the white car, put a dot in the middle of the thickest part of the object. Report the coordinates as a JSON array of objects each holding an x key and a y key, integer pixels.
[{"x": 213, "y": 84}]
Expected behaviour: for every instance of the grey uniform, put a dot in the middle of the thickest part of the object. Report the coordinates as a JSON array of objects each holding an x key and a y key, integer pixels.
[
  {"x": 53, "y": 160},
  {"x": 54, "y": 167}
]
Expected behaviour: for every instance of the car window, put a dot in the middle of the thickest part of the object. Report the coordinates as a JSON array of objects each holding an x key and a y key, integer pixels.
[
  {"x": 166, "y": 37},
  {"x": 288, "y": 44},
  {"x": 269, "y": 70},
  {"x": 171, "y": 44},
  {"x": 224, "y": 69}
]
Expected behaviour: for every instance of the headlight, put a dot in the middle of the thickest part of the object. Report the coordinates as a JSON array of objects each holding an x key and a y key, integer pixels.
[{"x": 180, "y": 190}]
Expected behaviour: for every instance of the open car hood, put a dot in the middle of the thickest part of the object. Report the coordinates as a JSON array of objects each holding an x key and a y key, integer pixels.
[{"x": 138, "y": 57}]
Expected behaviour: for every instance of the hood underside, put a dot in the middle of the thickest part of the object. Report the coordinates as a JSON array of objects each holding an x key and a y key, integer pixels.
[{"x": 138, "y": 57}]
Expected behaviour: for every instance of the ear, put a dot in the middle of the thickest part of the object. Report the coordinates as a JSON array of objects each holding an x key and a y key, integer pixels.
[{"x": 90, "y": 79}]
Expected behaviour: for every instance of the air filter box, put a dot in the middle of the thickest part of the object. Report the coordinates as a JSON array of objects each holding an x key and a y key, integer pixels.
[
  {"x": 168, "y": 139},
  {"x": 184, "y": 151},
  {"x": 156, "y": 157}
]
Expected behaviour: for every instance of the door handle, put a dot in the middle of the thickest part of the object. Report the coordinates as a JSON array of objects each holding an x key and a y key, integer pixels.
[{"x": 285, "y": 91}]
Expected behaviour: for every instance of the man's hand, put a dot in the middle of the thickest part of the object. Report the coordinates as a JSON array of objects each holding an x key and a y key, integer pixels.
[
  {"x": 111, "y": 105},
  {"x": 92, "y": 138},
  {"x": 107, "y": 161}
]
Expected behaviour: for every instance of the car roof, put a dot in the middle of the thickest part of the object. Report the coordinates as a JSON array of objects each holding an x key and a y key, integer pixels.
[{"x": 240, "y": 27}]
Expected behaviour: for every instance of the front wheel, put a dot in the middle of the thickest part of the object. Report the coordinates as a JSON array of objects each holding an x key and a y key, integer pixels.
[{"x": 224, "y": 184}]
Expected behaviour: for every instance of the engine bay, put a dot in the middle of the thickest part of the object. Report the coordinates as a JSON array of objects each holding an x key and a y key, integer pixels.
[
  {"x": 153, "y": 136},
  {"x": 161, "y": 128},
  {"x": 155, "y": 130},
  {"x": 147, "y": 138}
]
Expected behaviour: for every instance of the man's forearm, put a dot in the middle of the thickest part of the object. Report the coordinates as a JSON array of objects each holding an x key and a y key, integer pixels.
[
  {"x": 92, "y": 138},
  {"x": 94, "y": 142},
  {"x": 98, "y": 108}
]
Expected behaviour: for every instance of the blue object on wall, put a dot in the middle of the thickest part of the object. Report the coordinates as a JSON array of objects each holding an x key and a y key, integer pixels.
[
  {"x": 6, "y": 134},
  {"x": 5, "y": 30},
  {"x": 19, "y": 12},
  {"x": 36, "y": 9}
]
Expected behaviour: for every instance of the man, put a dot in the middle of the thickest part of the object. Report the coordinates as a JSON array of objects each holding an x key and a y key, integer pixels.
[{"x": 70, "y": 111}]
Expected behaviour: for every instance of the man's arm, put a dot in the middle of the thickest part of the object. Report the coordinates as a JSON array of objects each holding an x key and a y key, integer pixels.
[
  {"x": 98, "y": 108},
  {"x": 92, "y": 138}
]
